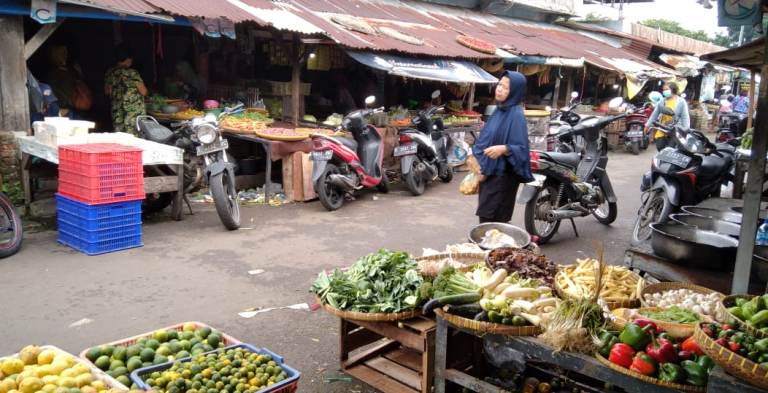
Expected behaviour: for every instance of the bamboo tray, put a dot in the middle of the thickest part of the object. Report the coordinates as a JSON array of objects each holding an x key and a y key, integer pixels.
[
  {"x": 645, "y": 378},
  {"x": 280, "y": 138},
  {"x": 371, "y": 317},
  {"x": 482, "y": 327},
  {"x": 668, "y": 286},
  {"x": 729, "y": 301},
  {"x": 676, "y": 330},
  {"x": 732, "y": 362},
  {"x": 465, "y": 259}
]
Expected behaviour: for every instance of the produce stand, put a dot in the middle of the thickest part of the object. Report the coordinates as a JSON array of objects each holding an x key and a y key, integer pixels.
[
  {"x": 164, "y": 165},
  {"x": 533, "y": 349}
]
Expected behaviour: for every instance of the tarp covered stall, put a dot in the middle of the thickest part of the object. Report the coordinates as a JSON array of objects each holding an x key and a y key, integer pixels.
[{"x": 454, "y": 71}]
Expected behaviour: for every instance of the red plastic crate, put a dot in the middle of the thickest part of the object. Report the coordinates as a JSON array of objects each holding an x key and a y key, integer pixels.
[
  {"x": 100, "y": 153},
  {"x": 100, "y": 173},
  {"x": 93, "y": 182},
  {"x": 102, "y": 194}
]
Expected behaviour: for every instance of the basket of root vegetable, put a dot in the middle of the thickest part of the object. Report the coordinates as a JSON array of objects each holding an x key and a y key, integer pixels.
[
  {"x": 497, "y": 302},
  {"x": 621, "y": 287},
  {"x": 700, "y": 300}
]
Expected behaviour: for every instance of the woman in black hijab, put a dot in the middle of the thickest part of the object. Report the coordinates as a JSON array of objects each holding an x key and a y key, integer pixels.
[{"x": 503, "y": 151}]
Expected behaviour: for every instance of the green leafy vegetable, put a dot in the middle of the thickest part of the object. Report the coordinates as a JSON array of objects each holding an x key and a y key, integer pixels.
[
  {"x": 382, "y": 282},
  {"x": 672, "y": 314},
  {"x": 452, "y": 282}
]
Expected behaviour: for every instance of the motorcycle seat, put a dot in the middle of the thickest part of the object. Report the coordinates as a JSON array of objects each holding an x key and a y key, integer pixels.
[
  {"x": 567, "y": 159},
  {"x": 350, "y": 143},
  {"x": 713, "y": 165},
  {"x": 726, "y": 148}
]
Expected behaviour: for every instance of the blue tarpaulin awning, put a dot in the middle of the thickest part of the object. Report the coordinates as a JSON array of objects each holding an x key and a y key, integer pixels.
[{"x": 454, "y": 71}]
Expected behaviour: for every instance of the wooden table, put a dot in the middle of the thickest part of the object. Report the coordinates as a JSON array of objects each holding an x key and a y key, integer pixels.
[
  {"x": 267, "y": 145},
  {"x": 164, "y": 164}
]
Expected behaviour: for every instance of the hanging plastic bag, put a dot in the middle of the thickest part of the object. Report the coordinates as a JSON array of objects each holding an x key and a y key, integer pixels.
[{"x": 470, "y": 185}]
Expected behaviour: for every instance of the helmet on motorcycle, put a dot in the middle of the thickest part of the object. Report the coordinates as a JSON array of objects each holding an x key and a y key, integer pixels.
[{"x": 655, "y": 97}]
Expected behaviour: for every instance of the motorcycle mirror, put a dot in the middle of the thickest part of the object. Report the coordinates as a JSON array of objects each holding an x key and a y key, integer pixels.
[
  {"x": 574, "y": 94},
  {"x": 683, "y": 95},
  {"x": 370, "y": 100},
  {"x": 435, "y": 94},
  {"x": 615, "y": 102},
  {"x": 548, "y": 108}
]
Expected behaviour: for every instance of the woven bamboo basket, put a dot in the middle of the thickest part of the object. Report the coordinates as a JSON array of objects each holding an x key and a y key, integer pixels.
[
  {"x": 668, "y": 286},
  {"x": 645, "y": 378},
  {"x": 676, "y": 330},
  {"x": 371, "y": 317},
  {"x": 731, "y": 362},
  {"x": 730, "y": 301},
  {"x": 481, "y": 327},
  {"x": 613, "y": 303},
  {"x": 463, "y": 261}
]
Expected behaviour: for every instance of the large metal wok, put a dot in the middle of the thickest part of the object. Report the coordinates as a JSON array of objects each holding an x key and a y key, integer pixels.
[
  {"x": 477, "y": 233},
  {"x": 708, "y": 224},
  {"x": 690, "y": 246},
  {"x": 729, "y": 216}
]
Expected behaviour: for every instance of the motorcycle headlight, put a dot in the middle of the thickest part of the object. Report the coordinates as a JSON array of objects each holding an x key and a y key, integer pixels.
[{"x": 206, "y": 133}]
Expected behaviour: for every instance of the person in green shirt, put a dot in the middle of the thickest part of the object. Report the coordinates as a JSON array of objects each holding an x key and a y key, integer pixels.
[{"x": 126, "y": 90}]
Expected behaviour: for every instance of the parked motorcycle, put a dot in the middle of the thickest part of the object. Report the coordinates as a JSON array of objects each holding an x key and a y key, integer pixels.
[
  {"x": 684, "y": 173},
  {"x": 732, "y": 125},
  {"x": 570, "y": 185},
  {"x": 11, "y": 230},
  {"x": 205, "y": 161},
  {"x": 343, "y": 165},
  {"x": 560, "y": 121},
  {"x": 634, "y": 136},
  {"x": 423, "y": 151}
]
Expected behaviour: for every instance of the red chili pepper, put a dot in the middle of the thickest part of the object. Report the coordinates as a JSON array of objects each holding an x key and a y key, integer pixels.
[
  {"x": 621, "y": 354},
  {"x": 722, "y": 342},
  {"x": 690, "y": 345},
  {"x": 644, "y": 322},
  {"x": 643, "y": 364},
  {"x": 734, "y": 346},
  {"x": 661, "y": 350}
]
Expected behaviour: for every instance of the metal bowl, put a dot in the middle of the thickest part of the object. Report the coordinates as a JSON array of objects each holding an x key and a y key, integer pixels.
[
  {"x": 690, "y": 246},
  {"x": 729, "y": 216},
  {"x": 708, "y": 224},
  {"x": 740, "y": 210},
  {"x": 476, "y": 234}
]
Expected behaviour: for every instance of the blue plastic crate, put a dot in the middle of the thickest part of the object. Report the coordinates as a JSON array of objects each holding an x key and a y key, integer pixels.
[
  {"x": 102, "y": 223},
  {"x": 100, "y": 247},
  {"x": 96, "y": 212},
  {"x": 282, "y": 386},
  {"x": 99, "y": 235}
]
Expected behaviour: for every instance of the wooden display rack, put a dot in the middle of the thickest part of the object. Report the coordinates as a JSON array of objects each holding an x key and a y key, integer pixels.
[{"x": 398, "y": 356}]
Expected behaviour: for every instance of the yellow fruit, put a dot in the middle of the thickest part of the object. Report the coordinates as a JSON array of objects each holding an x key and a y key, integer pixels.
[
  {"x": 43, "y": 370},
  {"x": 12, "y": 366},
  {"x": 100, "y": 386},
  {"x": 67, "y": 382},
  {"x": 81, "y": 369},
  {"x": 49, "y": 388},
  {"x": 87, "y": 389},
  {"x": 51, "y": 379},
  {"x": 29, "y": 354},
  {"x": 66, "y": 359},
  {"x": 69, "y": 373},
  {"x": 84, "y": 379},
  {"x": 7, "y": 385},
  {"x": 189, "y": 327},
  {"x": 46, "y": 357},
  {"x": 58, "y": 366},
  {"x": 62, "y": 389},
  {"x": 31, "y": 384}
]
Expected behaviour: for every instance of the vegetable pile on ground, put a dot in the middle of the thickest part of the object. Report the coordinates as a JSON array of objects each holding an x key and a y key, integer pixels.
[
  {"x": 524, "y": 262},
  {"x": 643, "y": 348},
  {"x": 619, "y": 283},
  {"x": 382, "y": 282},
  {"x": 754, "y": 312},
  {"x": 702, "y": 304},
  {"x": 496, "y": 297},
  {"x": 235, "y": 370},
  {"x": 742, "y": 343}
]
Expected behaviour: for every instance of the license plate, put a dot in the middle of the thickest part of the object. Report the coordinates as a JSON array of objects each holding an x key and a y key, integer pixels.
[
  {"x": 406, "y": 150},
  {"x": 674, "y": 158},
  {"x": 659, "y": 134},
  {"x": 322, "y": 155},
  {"x": 634, "y": 133},
  {"x": 219, "y": 145}
]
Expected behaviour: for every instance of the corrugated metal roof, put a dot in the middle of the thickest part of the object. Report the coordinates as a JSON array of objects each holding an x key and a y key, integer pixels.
[{"x": 133, "y": 6}]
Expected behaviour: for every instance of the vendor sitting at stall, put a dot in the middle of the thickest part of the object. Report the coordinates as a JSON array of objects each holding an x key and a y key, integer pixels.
[{"x": 126, "y": 90}]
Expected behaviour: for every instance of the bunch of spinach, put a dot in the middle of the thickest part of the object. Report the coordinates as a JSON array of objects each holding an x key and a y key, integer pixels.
[{"x": 382, "y": 282}]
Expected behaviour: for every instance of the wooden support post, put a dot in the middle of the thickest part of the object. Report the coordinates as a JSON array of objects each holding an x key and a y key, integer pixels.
[
  {"x": 40, "y": 37},
  {"x": 556, "y": 94},
  {"x": 754, "y": 189},
  {"x": 14, "y": 99},
  {"x": 296, "y": 79},
  {"x": 471, "y": 100},
  {"x": 569, "y": 87},
  {"x": 752, "y": 102}
]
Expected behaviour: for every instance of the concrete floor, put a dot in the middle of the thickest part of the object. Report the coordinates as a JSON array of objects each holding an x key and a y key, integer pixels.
[{"x": 194, "y": 270}]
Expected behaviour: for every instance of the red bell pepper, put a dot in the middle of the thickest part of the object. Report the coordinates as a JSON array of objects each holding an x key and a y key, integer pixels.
[
  {"x": 644, "y": 322},
  {"x": 661, "y": 350},
  {"x": 644, "y": 364},
  {"x": 621, "y": 354},
  {"x": 691, "y": 346}
]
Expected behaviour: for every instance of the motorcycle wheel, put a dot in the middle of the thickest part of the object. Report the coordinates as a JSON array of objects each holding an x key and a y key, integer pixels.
[
  {"x": 331, "y": 197},
  {"x": 414, "y": 179},
  {"x": 634, "y": 147},
  {"x": 656, "y": 208},
  {"x": 606, "y": 213},
  {"x": 447, "y": 175},
  {"x": 225, "y": 199},
  {"x": 156, "y": 202},
  {"x": 11, "y": 230},
  {"x": 544, "y": 200},
  {"x": 383, "y": 186}
]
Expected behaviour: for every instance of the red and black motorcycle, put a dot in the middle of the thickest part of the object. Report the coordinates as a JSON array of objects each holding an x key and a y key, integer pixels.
[
  {"x": 635, "y": 136},
  {"x": 343, "y": 165}
]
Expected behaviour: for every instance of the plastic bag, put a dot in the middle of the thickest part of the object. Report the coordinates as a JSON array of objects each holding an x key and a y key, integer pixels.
[
  {"x": 473, "y": 165},
  {"x": 470, "y": 185}
]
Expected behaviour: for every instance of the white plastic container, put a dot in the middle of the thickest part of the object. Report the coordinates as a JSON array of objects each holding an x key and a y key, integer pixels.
[{"x": 53, "y": 129}]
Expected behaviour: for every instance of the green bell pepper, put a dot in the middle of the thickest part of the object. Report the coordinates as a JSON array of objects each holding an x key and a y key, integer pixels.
[
  {"x": 761, "y": 345},
  {"x": 705, "y": 362},
  {"x": 736, "y": 312},
  {"x": 694, "y": 374},
  {"x": 635, "y": 336},
  {"x": 749, "y": 308},
  {"x": 740, "y": 301},
  {"x": 607, "y": 339},
  {"x": 670, "y": 372},
  {"x": 763, "y": 358},
  {"x": 760, "y": 318},
  {"x": 666, "y": 336}
]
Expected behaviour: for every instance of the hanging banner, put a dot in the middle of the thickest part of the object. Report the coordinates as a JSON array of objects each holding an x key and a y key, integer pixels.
[
  {"x": 43, "y": 11},
  {"x": 739, "y": 12}
]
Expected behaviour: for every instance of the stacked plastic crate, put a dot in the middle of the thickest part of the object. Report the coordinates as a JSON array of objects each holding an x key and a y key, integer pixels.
[{"x": 101, "y": 187}]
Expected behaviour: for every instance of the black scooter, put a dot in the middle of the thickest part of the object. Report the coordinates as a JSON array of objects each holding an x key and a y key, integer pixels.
[
  {"x": 423, "y": 151},
  {"x": 570, "y": 185},
  {"x": 688, "y": 171},
  {"x": 732, "y": 125},
  {"x": 560, "y": 121}
]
